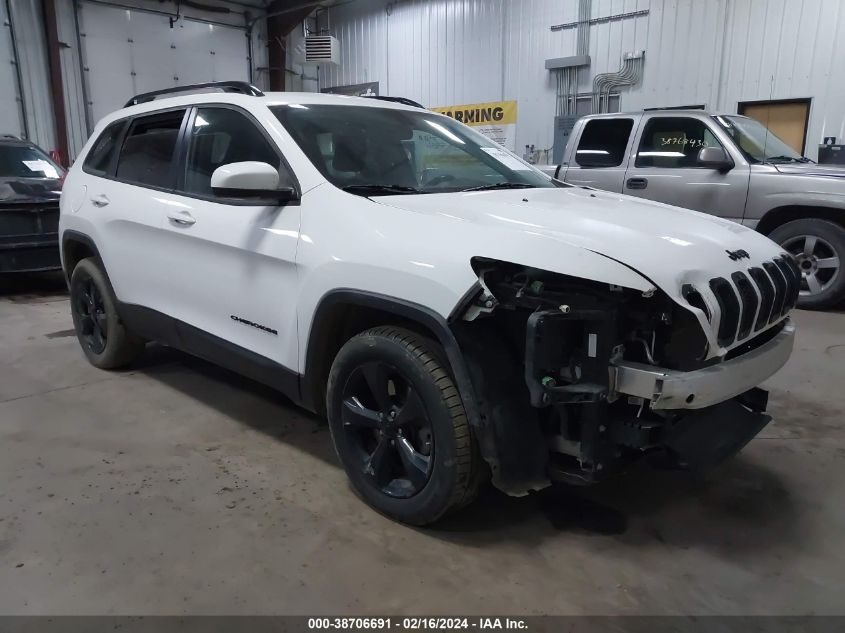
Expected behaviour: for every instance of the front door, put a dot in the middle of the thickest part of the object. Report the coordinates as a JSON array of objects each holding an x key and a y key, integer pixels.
[
  {"x": 665, "y": 168},
  {"x": 232, "y": 262}
]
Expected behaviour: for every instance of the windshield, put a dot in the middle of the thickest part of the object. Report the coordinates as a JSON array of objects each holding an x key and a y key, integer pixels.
[
  {"x": 25, "y": 161},
  {"x": 757, "y": 142},
  {"x": 384, "y": 151}
]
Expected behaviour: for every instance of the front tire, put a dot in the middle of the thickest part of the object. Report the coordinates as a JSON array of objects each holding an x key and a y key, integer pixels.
[
  {"x": 399, "y": 426},
  {"x": 819, "y": 249},
  {"x": 103, "y": 336}
]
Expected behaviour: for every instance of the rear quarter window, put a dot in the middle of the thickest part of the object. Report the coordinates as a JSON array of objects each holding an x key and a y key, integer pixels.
[{"x": 100, "y": 159}]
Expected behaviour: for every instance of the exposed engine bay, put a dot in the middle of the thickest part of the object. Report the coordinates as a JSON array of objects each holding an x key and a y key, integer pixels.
[{"x": 545, "y": 354}]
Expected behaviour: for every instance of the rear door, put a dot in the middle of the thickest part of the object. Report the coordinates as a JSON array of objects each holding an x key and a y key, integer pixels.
[
  {"x": 665, "y": 168},
  {"x": 127, "y": 196},
  {"x": 600, "y": 156}
]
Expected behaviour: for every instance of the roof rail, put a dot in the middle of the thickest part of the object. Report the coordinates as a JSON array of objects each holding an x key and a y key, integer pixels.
[
  {"x": 402, "y": 100},
  {"x": 667, "y": 108},
  {"x": 240, "y": 87}
]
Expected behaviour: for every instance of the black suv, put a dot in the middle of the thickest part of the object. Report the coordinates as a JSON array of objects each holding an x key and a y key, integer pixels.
[{"x": 30, "y": 184}]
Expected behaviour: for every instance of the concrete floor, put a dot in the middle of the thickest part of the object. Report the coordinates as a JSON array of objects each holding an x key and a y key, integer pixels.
[{"x": 177, "y": 487}]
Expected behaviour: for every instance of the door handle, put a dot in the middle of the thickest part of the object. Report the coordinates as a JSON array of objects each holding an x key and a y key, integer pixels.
[
  {"x": 182, "y": 218},
  {"x": 636, "y": 183},
  {"x": 100, "y": 200}
]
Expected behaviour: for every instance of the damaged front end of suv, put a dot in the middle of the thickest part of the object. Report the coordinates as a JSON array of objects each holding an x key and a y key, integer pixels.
[{"x": 577, "y": 379}]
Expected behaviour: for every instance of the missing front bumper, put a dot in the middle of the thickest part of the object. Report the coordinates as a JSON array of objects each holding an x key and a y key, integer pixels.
[
  {"x": 701, "y": 440},
  {"x": 670, "y": 389}
]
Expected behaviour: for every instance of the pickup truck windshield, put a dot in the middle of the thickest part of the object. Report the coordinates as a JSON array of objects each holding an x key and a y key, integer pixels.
[
  {"x": 372, "y": 151},
  {"x": 757, "y": 142}
]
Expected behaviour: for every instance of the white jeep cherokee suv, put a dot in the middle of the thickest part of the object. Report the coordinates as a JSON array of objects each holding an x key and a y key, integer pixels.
[{"x": 455, "y": 313}]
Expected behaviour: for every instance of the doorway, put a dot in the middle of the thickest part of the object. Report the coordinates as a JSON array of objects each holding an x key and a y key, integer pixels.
[{"x": 786, "y": 118}]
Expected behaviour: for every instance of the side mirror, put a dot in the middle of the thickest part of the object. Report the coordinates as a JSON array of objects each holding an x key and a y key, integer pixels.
[
  {"x": 250, "y": 179},
  {"x": 715, "y": 158}
]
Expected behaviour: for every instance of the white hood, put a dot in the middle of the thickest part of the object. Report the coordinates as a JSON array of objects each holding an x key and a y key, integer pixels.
[{"x": 667, "y": 245}]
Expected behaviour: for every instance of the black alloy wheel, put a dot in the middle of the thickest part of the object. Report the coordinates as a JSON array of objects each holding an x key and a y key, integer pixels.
[
  {"x": 103, "y": 336},
  {"x": 90, "y": 310},
  {"x": 399, "y": 426},
  {"x": 386, "y": 424}
]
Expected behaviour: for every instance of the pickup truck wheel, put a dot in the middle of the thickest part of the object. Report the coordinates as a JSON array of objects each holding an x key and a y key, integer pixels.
[
  {"x": 104, "y": 339},
  {"x": 819, "y": 249},
  {"x": 399, "y": 426}
]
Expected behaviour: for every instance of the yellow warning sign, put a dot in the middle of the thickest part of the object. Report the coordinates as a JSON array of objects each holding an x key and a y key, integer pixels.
[
  {"x": 496, "y": 120},
  {"x": 495, "y": 112}
]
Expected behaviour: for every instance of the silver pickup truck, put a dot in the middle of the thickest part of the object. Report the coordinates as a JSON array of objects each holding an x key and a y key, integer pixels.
[{"x": 726, "y": 165}]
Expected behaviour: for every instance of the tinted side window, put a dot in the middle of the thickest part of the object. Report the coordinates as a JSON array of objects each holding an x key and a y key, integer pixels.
[
  {"x": 99, "y": 159},
  {"x": 146, "y": 157},
  {"x": 673, "y": 142},
  {"x": 603, "y": 142},
  {"x": 220, "y": 136}
]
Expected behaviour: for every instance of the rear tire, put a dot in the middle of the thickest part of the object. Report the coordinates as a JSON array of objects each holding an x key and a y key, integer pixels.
[
  {"x": 819, "y": 247},
  {"x": 103, "y": 336},
  {"x": 399, "y": 426}
]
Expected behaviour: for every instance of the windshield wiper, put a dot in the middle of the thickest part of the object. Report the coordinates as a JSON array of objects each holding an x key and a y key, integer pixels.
[
  {"x": 375, "y": 189},
  {"x": 787, "y": 159},
  {"x": 501, "y": 185}
]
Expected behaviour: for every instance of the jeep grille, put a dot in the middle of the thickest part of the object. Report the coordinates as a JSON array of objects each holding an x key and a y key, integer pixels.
[{"x": 753, "y": 299}]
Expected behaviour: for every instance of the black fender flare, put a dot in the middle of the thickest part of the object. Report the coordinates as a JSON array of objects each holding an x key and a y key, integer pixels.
[
  {"x": 69, "y": 235},
  {"x": 408, "y": 310}
]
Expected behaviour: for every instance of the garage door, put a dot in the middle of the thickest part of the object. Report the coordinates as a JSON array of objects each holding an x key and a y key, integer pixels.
[{"x": 131, "y": 51}]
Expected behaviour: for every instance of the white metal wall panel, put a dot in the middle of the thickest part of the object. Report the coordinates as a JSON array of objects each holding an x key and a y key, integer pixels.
[
  {"x": 11, "y": 121},
  {"x": 35, "y": 76},
  {"x": 714, "y": 52},
  {"x": 131, "y": 51},
  {"x": 681, "y": 59},
  {"x": 106, "y": 54},
  {"x": 441, "y": 52},
  {"x": 75, "y": 107},
  {"x": 529, "y": 42}
]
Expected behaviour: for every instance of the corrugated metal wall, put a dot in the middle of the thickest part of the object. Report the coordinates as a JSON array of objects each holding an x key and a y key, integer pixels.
[
  {"x": 711, "y": 52},
  {"x": 76, "y": 110},
  {"x": 28, "y": 25},
  {"x": 10, "y": 105},
  {"x": 443, "y": 52},
  {"x": 797, "y": 52}
]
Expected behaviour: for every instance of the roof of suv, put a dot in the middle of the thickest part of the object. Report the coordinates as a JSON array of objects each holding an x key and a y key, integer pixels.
[{"x": 269, "y": 99}]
